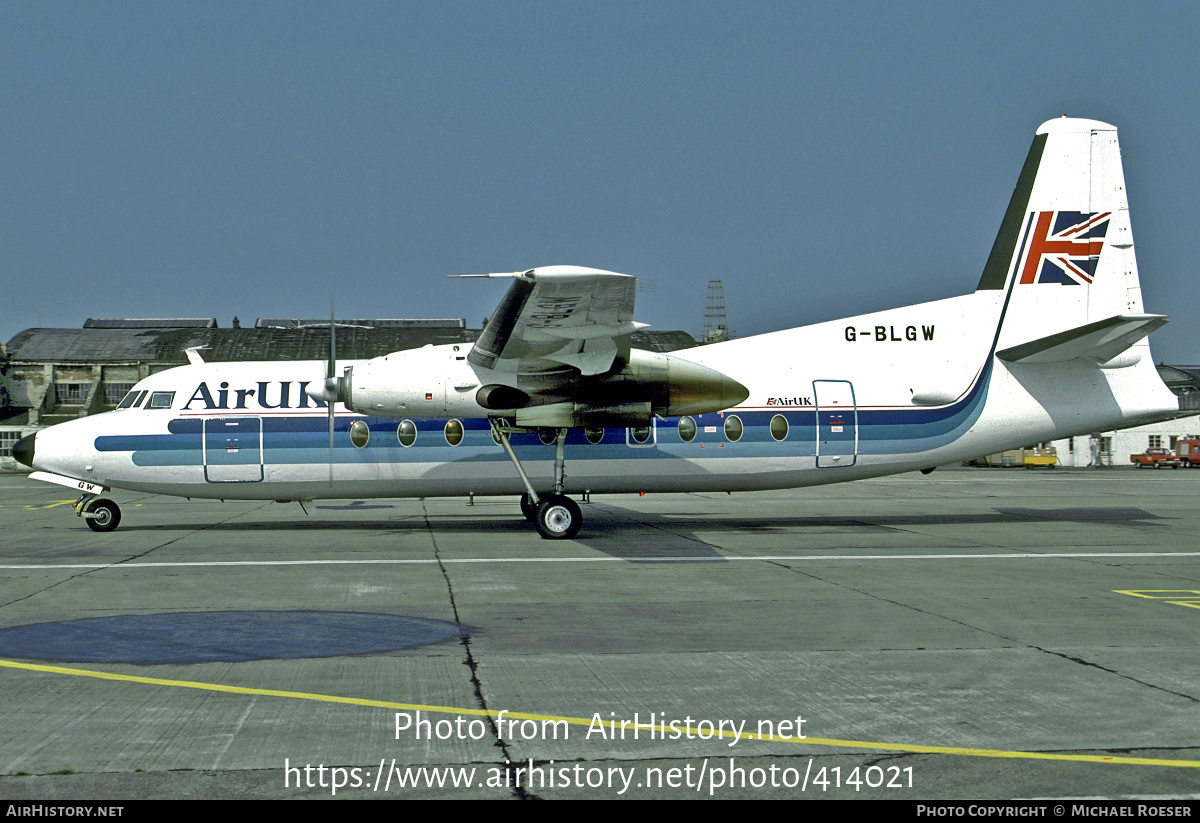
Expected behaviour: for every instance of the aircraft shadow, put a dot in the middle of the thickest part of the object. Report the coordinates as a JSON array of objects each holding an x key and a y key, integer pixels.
[{"x": 646, "y": 537}]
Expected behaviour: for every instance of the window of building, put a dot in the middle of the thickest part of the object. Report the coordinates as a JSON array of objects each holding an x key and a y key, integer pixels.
[
  {"x": 70, "y": 394},
  {"x": 7, "y": 439},
  {"x": 113, "y": 392},
  {"x": 1156, "y": 441}
]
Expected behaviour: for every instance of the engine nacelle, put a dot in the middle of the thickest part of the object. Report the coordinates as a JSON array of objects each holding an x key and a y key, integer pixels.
[
  {"x": 433, "y": 381},
  {"x": 437, "y": 381}
]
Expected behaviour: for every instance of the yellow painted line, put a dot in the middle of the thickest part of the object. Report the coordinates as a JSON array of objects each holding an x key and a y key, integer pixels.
[
  {"x": 1162, "y": 594},
  {"x": 613, "y": 726},
  {"x": 1173, "y": 597}
]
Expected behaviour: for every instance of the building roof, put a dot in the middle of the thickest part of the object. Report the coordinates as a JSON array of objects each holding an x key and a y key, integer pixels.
[
  {"x": 167, "y": 346},
  {"x": 151, "y": 323},
  {"x": 378, "y": 323}
]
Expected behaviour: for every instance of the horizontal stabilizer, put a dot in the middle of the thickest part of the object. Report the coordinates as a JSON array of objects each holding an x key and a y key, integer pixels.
[{"x": 1097, "y": 342}]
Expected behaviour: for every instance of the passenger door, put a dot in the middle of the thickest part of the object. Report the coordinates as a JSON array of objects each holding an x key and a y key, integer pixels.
[
  {"x": 837, "y": 423},
  {"x": 233, "y": 449}
]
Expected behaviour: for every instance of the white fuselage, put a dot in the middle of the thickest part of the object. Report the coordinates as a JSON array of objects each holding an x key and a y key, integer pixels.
[{"x": 889, "y": 392}]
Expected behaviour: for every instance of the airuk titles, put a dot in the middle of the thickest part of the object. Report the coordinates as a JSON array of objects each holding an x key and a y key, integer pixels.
[
  {"x": 889, "y": 334},
  {"x": 274, "y": 394}
]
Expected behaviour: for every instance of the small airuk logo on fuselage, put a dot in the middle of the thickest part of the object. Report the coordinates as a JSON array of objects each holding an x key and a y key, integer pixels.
[{"x": 1063, "y": 247}]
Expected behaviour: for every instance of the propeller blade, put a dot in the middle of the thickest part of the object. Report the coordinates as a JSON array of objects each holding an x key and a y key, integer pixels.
[{"x": 331, "y": 378}]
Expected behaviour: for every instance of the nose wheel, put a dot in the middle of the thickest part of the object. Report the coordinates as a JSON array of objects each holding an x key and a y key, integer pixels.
[{"x": 102, "y": 515}]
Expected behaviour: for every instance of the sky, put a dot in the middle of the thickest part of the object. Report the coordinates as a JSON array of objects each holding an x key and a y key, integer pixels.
[{"x": 822, "y": 160}]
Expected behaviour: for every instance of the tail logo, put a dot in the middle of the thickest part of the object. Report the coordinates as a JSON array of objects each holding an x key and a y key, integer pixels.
[{"x": 1063, "y": 247}]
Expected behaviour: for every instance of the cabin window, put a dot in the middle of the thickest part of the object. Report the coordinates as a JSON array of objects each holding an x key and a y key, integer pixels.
[
  {"x": 593, "y": 435},
  {"x": 360, "y": 433},
  {"x": 454, "y": 432},
  {"x": 547, "y": 436},
  {"x": 779, "y": 427},
  {"x": 687, "y": 429},
  {"x": 162, "y": 399},
  {"x": 640, "y": 434},
  {"x": 733, "y": 428},
  {"x": 406, "y": 433}
]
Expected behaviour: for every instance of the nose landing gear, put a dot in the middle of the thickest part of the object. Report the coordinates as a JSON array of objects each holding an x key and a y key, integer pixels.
[{"x": 101, "y": 514}]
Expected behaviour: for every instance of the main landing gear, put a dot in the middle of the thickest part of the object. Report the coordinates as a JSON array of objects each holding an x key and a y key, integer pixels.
[
  {"x": 101, "y": 514},
  {"x": 555, "y": 516}
]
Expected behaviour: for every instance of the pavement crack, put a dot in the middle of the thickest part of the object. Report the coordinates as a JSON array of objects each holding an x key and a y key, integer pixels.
[{"x": 510, "y": 768}]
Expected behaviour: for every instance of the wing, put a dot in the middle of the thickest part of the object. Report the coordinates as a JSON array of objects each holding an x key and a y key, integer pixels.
[{"x": 559, "y": 315}]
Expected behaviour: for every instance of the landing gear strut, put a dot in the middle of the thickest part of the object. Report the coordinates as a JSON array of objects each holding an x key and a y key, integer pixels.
[{"x": 555, "y": 516}]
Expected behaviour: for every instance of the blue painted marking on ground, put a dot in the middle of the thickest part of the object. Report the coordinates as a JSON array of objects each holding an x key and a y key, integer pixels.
[{"x": 228, "y": 636}]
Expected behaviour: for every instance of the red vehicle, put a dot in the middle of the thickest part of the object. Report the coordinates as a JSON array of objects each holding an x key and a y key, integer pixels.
[
  {"x": 1156, "y": 458},
  {"x": 1188, "y": 452}
]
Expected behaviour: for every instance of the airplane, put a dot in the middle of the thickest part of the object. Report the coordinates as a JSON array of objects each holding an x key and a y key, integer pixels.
[{"x": 552, "y": 401}]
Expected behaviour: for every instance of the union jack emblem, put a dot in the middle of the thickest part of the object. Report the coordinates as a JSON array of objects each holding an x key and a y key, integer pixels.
[{"x": 1064, "y": 247}]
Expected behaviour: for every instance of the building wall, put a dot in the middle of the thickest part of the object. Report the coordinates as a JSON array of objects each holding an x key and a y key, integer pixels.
[{"x": 1077, "y": 451}]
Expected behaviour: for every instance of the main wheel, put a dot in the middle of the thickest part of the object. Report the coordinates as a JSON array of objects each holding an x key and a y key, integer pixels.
[
  {"x": 558, "y": 518},
  {"x": 105, "y": 515},
  {"x": 527, "y": 508}
]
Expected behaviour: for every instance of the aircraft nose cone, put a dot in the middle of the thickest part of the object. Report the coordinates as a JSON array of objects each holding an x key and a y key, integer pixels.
[{"x": 22, "y": 450}]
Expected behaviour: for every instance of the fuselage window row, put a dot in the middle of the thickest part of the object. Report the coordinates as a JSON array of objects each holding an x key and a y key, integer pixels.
[{"x": 406, "y": 431}]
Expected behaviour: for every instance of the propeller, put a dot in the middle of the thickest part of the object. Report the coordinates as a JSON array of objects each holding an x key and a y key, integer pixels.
[
  {"x": 331, "y": 381},
  {"x": 330, "y": 391}
]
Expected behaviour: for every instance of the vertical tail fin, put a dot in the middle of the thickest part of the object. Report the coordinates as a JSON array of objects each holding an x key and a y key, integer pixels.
[{"x": 1064, "y": 253}]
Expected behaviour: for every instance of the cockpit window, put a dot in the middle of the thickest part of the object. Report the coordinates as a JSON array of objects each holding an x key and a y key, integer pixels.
[
  {"x": 161, "y": 399},
  {"x": 133, "y": 400}
]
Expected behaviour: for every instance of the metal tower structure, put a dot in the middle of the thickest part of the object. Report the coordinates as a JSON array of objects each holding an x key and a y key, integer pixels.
[{"x": 716, "y": 328}]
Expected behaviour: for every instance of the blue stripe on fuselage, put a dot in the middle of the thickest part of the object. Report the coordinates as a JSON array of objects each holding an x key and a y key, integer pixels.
[{"x": 302, "y": 439}]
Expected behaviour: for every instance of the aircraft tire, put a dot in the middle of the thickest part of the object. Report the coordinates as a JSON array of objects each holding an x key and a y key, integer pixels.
[
  {"x": 106, "y": 515},
  {"x": 558, "y": 518},
  {"x": 527, "y": 508}
]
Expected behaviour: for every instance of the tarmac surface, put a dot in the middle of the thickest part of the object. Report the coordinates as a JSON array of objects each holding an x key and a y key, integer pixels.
[{"x": 974, "y": 633}]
